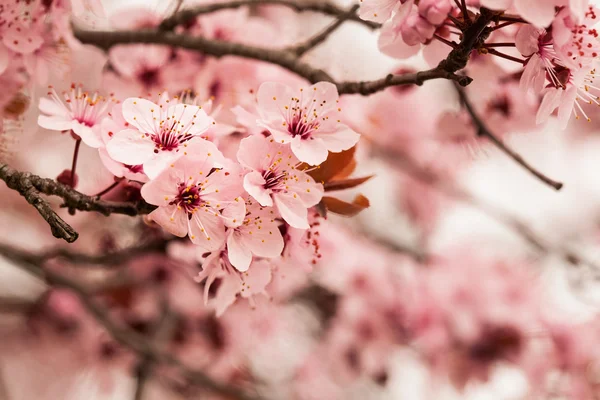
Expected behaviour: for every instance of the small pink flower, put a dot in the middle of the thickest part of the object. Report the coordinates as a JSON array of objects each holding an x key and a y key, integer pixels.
[
  {"x": 233, "y": 282},
  {"x": 158, "y": 134},
  {"x": 258, "y": 235},
  {"x": 309, "y": 119},
  {"x": 82, "y": 114},
  {"x": 196, "y": 198},
  {"x": 276, "y": 180}
]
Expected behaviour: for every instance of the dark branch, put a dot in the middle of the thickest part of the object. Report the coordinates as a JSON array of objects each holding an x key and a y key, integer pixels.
[
  {"x": 285, "y": 59},
  {"x": 320, "y": 6},
  {"x": 217, "y": 48},
  {"x": 23, "y": 184},
  {"x": 483, "y": 130},
  {"x": 320, "y": 37},
  {"x": 31, "y": 187}
]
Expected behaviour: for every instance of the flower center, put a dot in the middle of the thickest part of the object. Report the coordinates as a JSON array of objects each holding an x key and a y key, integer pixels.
[
  {"x": 300, "y": 126},
  {"x": 169, "y": 138},
  {"x": 273, "y": 179},
  {"x": 188, "y": 198}
]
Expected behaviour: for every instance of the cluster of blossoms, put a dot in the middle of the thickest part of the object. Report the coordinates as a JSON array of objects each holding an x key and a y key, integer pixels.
[
  {"x": 235, "y": 161},
  {"x": 234, "y": 211},
  {"x": 558, "y": 41}
]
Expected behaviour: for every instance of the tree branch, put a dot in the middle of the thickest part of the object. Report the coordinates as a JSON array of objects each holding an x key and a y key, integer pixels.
[
  {"x": 511, "y": 222},
  {"x": 285, "y": 59},
  {"x": 321, "y": 6},
  {"x": 132, "y": 340},
  {"x": 31, "y": 187},
  {"x": 483, "y": 130},
  {"x": 320, "y": 37},
  {"x": 24, "y": 185}
]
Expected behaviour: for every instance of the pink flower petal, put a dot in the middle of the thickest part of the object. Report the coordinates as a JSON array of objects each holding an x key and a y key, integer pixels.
[
  {"x": 312, "y": 152},
  {"x": 54, "y": 123},
  {"x": 170, "y": 219},
  {"x": 90, "y": 136},
  {"x": 254, "y": 184},
  {"x": 292, "y": 210},
  {"x": 272, "y": 99},
  {"x": 142, "y": 114},
  {"x": 206, "y": 230},
  {"x": 239, "y": 255},
  {"x": 130, "y": 147}
]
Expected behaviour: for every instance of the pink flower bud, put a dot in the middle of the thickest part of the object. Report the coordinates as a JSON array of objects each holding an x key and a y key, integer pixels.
[
  {"x": 65, "y": 178},
  {"x": 435, "y": 11},
  {"x": 416, "y": 29}
]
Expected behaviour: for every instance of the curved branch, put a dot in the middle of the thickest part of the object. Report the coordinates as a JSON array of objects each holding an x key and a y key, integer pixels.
[
  {"x": 324, "y": 7},
  {"x": 483, "y": 130},
  {"x": 285, "y": 59}
]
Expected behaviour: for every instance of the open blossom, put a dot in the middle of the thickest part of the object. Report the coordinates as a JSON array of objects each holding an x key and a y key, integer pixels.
[
  {"x": 309, "y": 119},
  {"x": 233, "y": 282},
  {"x": 158, "y": 134},
  {"x": 192, "y": 195},
  {"x": 82, "y": 113},
  {"x": 258, "y": 235},
  {"x": 275, "y": 179}
]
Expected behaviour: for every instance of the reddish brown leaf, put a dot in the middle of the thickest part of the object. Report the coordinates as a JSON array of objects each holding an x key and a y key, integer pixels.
[
  {"x": 345, "y": 183},
  {"x": 341, "y": 207},
  {"x": 337, "y": 165}
]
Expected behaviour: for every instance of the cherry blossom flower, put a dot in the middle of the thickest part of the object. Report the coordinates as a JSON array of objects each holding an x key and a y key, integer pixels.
[
  {"x": 82, "y": 113},
  {"x": 196, "y": 198},
  {"x": 232, "y": 282},
  {"x": 258, "y": 235},
  {"x": 275, "y": 179},
  {"x": 309, "y": 119},
  {"x": 158, "y": 133}
]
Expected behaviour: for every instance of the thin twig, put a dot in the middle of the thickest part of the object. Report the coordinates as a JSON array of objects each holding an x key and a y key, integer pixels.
[
  {"x": 321, "y": 6},
  {"x": 483, "y": 130},
  {"x": 506, "y": 219},
  {"x": 320, "y": 37}
]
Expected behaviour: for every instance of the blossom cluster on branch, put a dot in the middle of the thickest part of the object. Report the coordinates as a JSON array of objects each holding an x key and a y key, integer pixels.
[{"x": 254, "y": 197}]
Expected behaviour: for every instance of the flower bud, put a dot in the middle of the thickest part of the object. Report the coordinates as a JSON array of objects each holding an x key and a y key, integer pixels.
[{"x": 67, "y": 178}]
